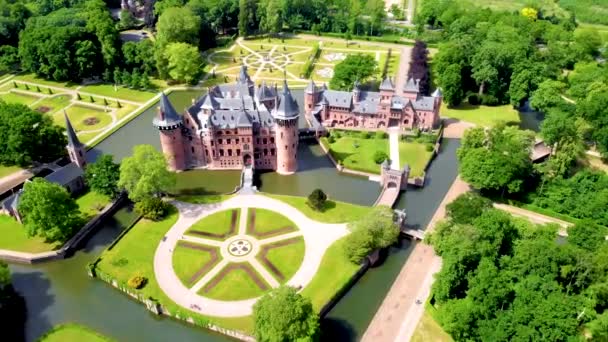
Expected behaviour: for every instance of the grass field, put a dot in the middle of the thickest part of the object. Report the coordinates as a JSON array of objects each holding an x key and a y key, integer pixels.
[
  {"x": 287, "y": 259},
  {"x": 236, "y": 285},
  {"x": 187, "y": 262},
  {"x": 357, "y": 153},
  {"x": 13, "y": 97},
  {"x": 124, "y": 93},
  {"x": 429, "y": 330},
  {"x": 73, "y": 333},
  {"x": 218, "y": 223},
  {"x": 7, "y": 170},
  {"x": 482, "y": 115},
  {"x": 78, "y": 114},
  {"x": 333, "y": 274},
  {"x": 334, "y": 211},
  {"x": 91, "y": 203},
  {"x": 267, "y": 221},
  {"x": 54, "y": 103},
  {"x": 415, "y": 155},
  {"x": 134, "y": 254},
  {"x": 38, "y": 80}
]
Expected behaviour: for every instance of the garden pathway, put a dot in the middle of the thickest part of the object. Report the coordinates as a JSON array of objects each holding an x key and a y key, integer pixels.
[
  {"x": 317, "y": 238},
  {"x": 393, "y": 139}
]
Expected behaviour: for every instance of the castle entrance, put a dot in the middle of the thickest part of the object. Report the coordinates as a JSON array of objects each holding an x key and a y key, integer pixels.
[
  {"x": 393, "y": 122},
  {"x": 247, "y": 159}
]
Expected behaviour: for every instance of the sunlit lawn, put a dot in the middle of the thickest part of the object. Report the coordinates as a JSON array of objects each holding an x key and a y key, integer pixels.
[
  {"x": 7, "y": 170},
  {"x": 217, "y": 223},
  {"x": 78, "y": 114},
  {"x": 120, "y": 92},
  {"x": 287, "y": 259},
  {"x": 73, "y": 333},
  {"x": 13, "y": 236},
  {"x": 13, "y": 97},
  {"x": 91, "y": 203},
  {"x": 428, "y": 330},
  {"x": 334, "y": 211},
  {"x": 187, "y": 262},
  {"x": 268, "y": 221},
  {"x": 357, "y": 153},
  {"x": 415, "y": 155},
  {"x": 54, "y": 103},
  {"x": 481, "y": 115},
  {"x": 236, "y": 285}
]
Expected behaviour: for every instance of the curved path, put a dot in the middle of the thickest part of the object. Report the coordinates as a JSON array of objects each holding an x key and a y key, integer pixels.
[{"x": 317, "y": 238}]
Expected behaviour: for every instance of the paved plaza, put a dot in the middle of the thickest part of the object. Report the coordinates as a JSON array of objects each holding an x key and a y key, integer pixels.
[{"x": 240, "y": 249}]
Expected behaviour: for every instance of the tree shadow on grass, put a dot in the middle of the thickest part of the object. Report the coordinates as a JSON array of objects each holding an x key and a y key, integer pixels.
[{"x": 334, "y": 330}]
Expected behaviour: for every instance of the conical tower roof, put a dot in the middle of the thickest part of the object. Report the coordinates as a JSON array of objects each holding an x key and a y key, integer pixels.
[
  {"x": 244, "y": 76},
  {"x": 72, "y": 138},
  {"x": 411, "y": 85},
  {"x": 167, "y": 116},
  {"x": 437, "y": 93},
  {"x": 311, "y": 87},
  {"x": 387, "y": 84},
  {"x": 287, "y": 107}
]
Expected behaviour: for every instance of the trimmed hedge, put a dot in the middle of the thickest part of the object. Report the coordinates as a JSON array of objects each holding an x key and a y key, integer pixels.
[{"x": 308, "y": 67}]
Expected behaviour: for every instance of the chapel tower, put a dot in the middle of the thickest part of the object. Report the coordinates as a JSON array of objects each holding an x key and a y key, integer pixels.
[
  {"x": 75, "y": 148},
  {"x": 286, "y": 114},
  {"x": 170, "y": 124}
]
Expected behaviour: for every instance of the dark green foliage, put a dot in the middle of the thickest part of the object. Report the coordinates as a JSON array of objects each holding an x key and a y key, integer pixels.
[
  {"x": 152, "y": 208},
  {"x": 506, "y": 281},
  {"x": 379, "y": 157},
  {"x": 9, "y": 58},
  {"x": 467, "y": 207},
  {"x": 27, "y": 136},
  {"x": 587, "y": 235},
  {"x": 365, "y": 135},
  {"x": 381, "y": 135},
  {"x": 102, "y": 176},
  {"x": 317, "y": 199},
  {"x": 137, "y": 282},
  {"x": 285, "y": 315},
  {"x": 355, "y": 67},
  {"x": 376, "y": 230},
  {"x": 48, "y": 211}
]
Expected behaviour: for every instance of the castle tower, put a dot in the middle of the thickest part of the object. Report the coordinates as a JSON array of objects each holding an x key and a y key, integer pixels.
[
  {"x": 310, "y": 95},
  {"x": 169, "y": 124},
  {"x": 411, "y": 89},
  {"x": 286, "y": 114},
  {"x": 356, "y": 92},
  {"x": 438, "y": 97},
  {"x": 387, "y": 90},
  {"x": 75, "y": 149}
]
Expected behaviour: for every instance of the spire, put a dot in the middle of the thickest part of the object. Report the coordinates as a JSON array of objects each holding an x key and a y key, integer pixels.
[
  {"x": 387, "y": 84},
  {"x": 287, "y": 107},
  {"x": 411, "y": 85},
  {"x": 437, "y": 93},
  {"x": 72, "y": 138},
  {"x": 168, "y": 117},
  {"x": 243, "y": 77},
  {"x": 311, "y": 87}
]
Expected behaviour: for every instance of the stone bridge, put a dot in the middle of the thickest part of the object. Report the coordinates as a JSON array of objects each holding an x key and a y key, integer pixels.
[{"x": 393, "y": 181}]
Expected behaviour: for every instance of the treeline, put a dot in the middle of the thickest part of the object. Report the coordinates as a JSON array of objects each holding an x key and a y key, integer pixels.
[
  {"x": 504, "y": 279},
  {"x": 494, "y": 58}
]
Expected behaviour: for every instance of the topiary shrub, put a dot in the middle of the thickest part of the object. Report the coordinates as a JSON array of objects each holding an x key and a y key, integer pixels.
[
  {"x": 365, "y": 135},
  {"x": 489, "y": 100},
  {"x": 380, "y": 156},
  {"x": 381, "y": 135},
  {"x": 152, "y": 208},
  {"x": 429, "y": 148},
  {"x": 331, "y": 139},
  {"x": 336, "y": 134},
  {"x": 137, "y": 282},
  {"x": 317, "y": 199},
  {"x": 474, "y": 99}
]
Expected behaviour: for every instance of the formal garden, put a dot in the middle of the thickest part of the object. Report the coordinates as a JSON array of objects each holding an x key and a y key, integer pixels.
[
  {"x": 365, "y": 151},
  {"x": 296, "y": 59}
]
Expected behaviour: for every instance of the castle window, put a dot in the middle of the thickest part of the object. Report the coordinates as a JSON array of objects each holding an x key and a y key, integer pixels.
[
  {"x": 237, "y": 140},
  {"x": 281, "y": 135},
  {"x": 221, "y": 152},
  {"x": 238, "y": 152},
  {"x": 272, "y": 140},
  {"x": 264, "y": 141},
  {"x": 285, "y": 147},
  {"x": 293, "y": 145},
  {"x": 213, "y": 153},
  {"x": 206, "y": 153},
  {"x": 229, "y": 152},
  {"x": 265, "y": 152},
  {"x": 192, "y": 149},
  {"x": 190, "y": 138},
  {"x": 228, "y": 141},
  {"x": 211, "y": 142},
  {"x": 258, "y": 141},
  {"x": 272, "y": 151}
]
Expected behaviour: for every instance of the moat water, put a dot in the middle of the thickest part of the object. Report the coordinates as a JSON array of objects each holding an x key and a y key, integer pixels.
[{"x": 61, "y": 291}]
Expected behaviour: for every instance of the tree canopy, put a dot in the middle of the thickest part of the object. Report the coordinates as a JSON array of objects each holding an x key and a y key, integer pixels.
[
  {"x": 284, "y": 315},
  {"x": 496, "y": 159},
  {"x": 27, "y": 136},
  {"x": 355, "y": 67},
  {"x": 48, "y": 211},
  {"x": 184, "y": 62},
  {"x": 375, "y": 230},
  {"x": 144, "y": 174},
  {"x": 102, "y": 175}
]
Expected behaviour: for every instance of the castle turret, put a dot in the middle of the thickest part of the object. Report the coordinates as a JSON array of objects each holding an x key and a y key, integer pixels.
[
  {"x": 310, "y": 95},
  {"x": 438, "y": 97},
  {"x": 356, "y": 92},
  {"x": 387, "y": 89},
  {"x": 286, "y": 114},
  {"x": 411, "y": 89},
  {"x": 170, "y": 124},
  {"x": 75, "y": 149}
]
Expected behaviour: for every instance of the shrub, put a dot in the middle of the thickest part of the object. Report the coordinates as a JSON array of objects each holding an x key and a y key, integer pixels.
[
  {"x": 152, "y": 208},
  {"x": 365, "y": 135},
  {"x": 336, "y": 134},
  {"x": 489, "y": 100},
  {"x": 137, "y": 282},
  {"x": 331, "y": 139},
  {"x": 429, "y": 147},
  {"x": 473, "y": 99},
  {"x": 381, "y": 135},
  {"x": 317, "y": 199},
  {"x": 373, "y": 231},
  {"x": 380, "y": 156}
]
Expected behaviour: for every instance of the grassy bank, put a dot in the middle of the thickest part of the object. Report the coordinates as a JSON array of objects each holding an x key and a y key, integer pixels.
[
  {"x": 71, "y": 332},
  {"x": 334, "y": 211},
  {"x": 481, "y": 115}
]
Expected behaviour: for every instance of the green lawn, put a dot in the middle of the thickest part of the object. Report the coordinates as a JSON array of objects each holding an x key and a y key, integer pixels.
[
  {"x": 7, "y": 170},
  {"x": 429, "y": 330},
  {"x": 356, "y": 153},
  {"x": 12, "y": 97},
  {"x": 481, "y": 115},
  {"x": 38, "y": 80},
  {"x": 334, "y": 211},
  {"x": 121, "y": 93},
  {"x": 53, "y": 103},
  {"x": 73, "y": 333},
  {"x": 91, "y": 203},
  {"x": 188, "y": 261},
  {"x": 414, "y": 154},
  {"x": 287, "y": 259},
  {"x": 134, "y": 254},
  {"x": 197, "y": 199},
  {"x": 236, "y": 285},
  {"x": 268, "y": 221},
  {"x": 334, "y": 273},
  {"x": 218, "y": 223},
  {"x": 14, "y": 237},
  {"x": 78, "y": 114}
]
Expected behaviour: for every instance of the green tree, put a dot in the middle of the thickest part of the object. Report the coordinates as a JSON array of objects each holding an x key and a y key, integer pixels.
[
  {"x": 5, "y": 275},
  {"x": 185, "y": 62},
  {"x": 48, "y": 211},
  {"x": 285, "y": 315},
  {"x": 355, "y": 67},
  {"x": 102, "y": 176},
  {"x": 248, "y": 22},
  {"x": 127, "y": 20},
  {"x": 498, "y": 159},
  {"x": 145, "y": 174},
  {"x": 151, "y": 208},
  {"x": 547, "y": 95},
  {"x": 177, "y": 25},
  {"x": 587, "y": 235},
  {"x": 27, "y": 136},
  {"x": 161, "y": 5},
  {"x": 317, "y": 199},
  {"x": 451, "y": 85},
  {"x": 466, "y": 207},
  {"x": 270, "y": 20},
  {"x": 375, "y": 230},
  {"x": 9, "y": 58}
]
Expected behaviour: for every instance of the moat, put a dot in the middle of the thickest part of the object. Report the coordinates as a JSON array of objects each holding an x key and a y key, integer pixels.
[{"x": 61, "y": 291}]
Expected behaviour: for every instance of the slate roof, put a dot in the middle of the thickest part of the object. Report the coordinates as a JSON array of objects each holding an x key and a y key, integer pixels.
[
  {"x": 265, "y": 92},
  {"x": 287, "y": 107},
  {"x": 424, "y": 103},
  {"x": 368, "y": 102},
  {"x": 437, "y": 93},
  {"x": 65, "y": 175},
  {"x": 244, "y": 76},
  {"x": 311, "y": 87},
  {"x": 337, "y": 98},
  {"x": 387, "y": 84},
  {"x": 411, "y": 86},
  {"x": 168, "y": 117},
  {"x": 72, "y": 138},
  {"x": 242, "y": 118}
]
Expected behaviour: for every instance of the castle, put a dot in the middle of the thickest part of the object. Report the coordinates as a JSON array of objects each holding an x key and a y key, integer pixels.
[
  {"x": 374, "y": 110},
  {"x": 232, "y": 126}
]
